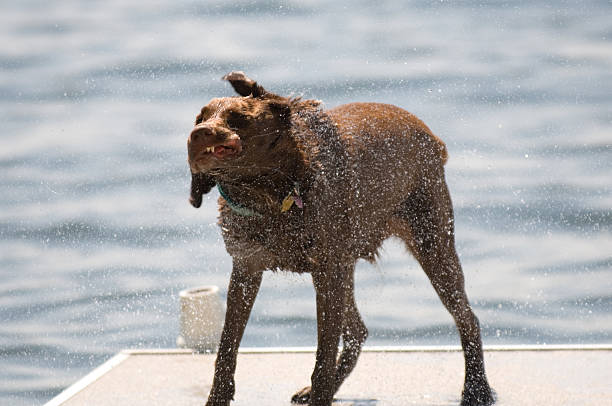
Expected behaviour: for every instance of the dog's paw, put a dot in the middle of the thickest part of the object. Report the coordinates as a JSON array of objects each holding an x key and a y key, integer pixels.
[
  {"x": 221, "y": 395},
  {"x": 478, "y": 395},
  {"x": 213, "y": 402},
  {"x": 301, "y": 397}
]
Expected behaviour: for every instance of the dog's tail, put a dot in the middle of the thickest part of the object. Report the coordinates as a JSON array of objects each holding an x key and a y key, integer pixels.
[
  {"x": 443, "y": 151},
  {"x": 439, "y": 148},
  {"x": 434, "y": 143}
]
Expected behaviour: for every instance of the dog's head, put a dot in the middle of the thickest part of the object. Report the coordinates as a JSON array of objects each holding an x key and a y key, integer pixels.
[{"x": 234, "y": 134}]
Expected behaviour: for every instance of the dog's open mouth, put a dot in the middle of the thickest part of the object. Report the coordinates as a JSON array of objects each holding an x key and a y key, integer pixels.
[
  {"x": 227, "y": 149},
  {"x": 202, "y": 157}
]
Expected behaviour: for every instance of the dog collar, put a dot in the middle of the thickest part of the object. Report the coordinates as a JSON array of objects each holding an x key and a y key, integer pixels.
[
  {"x": 292, "y": 197},
  {"x": 237, "y": 207}
]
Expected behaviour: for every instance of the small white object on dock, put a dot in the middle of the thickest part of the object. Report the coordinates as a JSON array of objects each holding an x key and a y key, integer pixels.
[
  {"x": 384, "y": 376},
  {"x": 201, "y": 320}
]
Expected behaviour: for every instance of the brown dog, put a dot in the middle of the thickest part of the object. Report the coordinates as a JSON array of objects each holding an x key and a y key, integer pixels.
[{"x": 307, "y": 190}]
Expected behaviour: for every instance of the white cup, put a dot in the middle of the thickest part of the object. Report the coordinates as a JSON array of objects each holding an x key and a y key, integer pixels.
[{"x": 201, "y": 320}]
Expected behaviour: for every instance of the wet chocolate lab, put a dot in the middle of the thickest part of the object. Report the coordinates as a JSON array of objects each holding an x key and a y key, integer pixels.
[{"x": 311, "y": 190}]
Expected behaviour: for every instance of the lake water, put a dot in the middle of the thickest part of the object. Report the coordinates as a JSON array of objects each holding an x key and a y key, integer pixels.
[{"x": 97, "y": 99}]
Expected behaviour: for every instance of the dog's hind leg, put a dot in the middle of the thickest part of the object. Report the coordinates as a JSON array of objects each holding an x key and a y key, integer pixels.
[
  {"x": 354, "y": 334},
  {"x": 425, "y": 222}
]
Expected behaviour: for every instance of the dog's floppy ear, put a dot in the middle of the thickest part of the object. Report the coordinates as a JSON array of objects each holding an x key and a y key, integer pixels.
[
  {"x": 200, "y": 185},
  {"x": 243, "y": 85}
]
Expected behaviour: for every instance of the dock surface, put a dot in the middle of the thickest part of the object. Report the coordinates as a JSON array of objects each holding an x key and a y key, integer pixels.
[{"x": 384, "y": 376}]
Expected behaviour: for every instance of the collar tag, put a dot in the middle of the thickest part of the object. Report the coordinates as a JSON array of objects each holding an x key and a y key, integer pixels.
[
  {"x": 287, "y": 203},
  {"x": 298, "y": 202},
  {"x": 292, "y": 197}
]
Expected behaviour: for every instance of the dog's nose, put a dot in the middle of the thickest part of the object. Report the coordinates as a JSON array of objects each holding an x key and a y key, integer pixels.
[{"x": 199, "y": 133}]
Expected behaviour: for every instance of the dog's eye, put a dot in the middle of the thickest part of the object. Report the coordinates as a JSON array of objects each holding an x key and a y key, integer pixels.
[
  {"x": 237, "y": 121},
  {"x": 204, "y": 114}
]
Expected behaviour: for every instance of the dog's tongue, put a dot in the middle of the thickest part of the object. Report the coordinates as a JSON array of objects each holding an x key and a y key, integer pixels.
[
  {"x": 230, "y": 147},
  {"x": 221, "y": 151}
]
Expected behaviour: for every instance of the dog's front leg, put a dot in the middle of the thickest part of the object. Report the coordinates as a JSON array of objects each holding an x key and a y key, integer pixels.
[
  {"x": 243, "y": 287},
  {"x": 330, "y": 286}
]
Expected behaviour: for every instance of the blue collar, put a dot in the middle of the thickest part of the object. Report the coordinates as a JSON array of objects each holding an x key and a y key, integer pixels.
[
  {"x": 293, "y": 198},
  {"x": 237, "y": 207}
]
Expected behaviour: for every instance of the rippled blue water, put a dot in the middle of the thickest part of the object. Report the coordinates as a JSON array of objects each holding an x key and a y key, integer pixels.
[{"x": 96, "y": 100}]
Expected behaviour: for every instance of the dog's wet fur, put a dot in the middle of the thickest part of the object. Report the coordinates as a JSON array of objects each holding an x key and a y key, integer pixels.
[{"x": 348, "y": 179}]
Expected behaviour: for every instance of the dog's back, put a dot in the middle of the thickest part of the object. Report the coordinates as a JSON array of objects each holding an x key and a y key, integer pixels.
[
  {"x": 376, "y": 133},
  {"x": 390, "y": 154}
]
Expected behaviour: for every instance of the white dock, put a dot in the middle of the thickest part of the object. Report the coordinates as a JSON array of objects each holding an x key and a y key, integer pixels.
[{"x": 384, "y": 376}]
